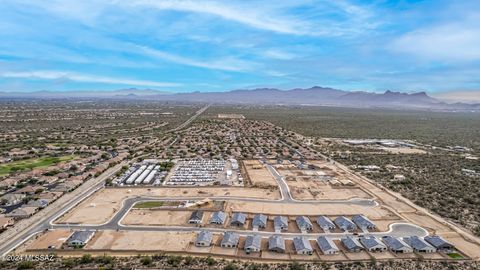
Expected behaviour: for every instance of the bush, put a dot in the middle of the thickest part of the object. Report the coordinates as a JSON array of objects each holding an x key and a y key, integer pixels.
[
  {"x": 230, "y": 266},
  {"x": 86, "y": 258},
  {"x": 174, "y": 260},
  {"x": 68, "y": 263},
  {"x": 211, "y": 261},
  {"x": 25, "y": 265},
  {"x": 147, "y": 260}
]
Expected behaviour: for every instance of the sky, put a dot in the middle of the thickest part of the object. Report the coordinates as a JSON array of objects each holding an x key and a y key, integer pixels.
[{"x": 183, "y": 46}]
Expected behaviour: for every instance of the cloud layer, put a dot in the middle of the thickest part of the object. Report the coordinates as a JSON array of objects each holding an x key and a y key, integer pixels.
[{"x": 205, "y": 45}]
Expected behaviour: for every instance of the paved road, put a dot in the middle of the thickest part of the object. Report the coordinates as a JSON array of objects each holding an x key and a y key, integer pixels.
[
  {"x": 44, "y": 223},
  {"x": 396, "y": 229},
  {"x": 191, "y": 119}
]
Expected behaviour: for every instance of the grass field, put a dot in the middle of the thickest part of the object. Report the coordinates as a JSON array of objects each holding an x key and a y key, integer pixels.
[
  {"x": 455, "y": 256},
  {"x": 29, "y": 164},
  {"x": 143, "y": 205}
]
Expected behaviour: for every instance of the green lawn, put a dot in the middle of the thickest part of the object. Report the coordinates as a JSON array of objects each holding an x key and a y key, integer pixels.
[
  {"x": 142, "y": 205},
  {"x": 455, "y": 255},
  {"x": 28, "y": 164}
]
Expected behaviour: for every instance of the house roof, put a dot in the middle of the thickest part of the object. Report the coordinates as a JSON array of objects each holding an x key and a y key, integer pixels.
[
  {"x": 253, "y": 241},
  {"x": 394, "y": 243},
  {"x": 417, "y": 243},
  {"x": 326, "y": 244},
  {"x": 239, "y": 218},
  {"x": 205, "y": 236},
  {"x": 325, "y": 222},
  {"x": 219, "y": 217},
  {"x": 362, "y": 221},
  {"x": 259, "y": 220},
  {"x": 344, "y": 222},
  {"x": 13, "y": 197},
  {"x": 276, "y": 241},
  {"x": 303, "y": 222},
  {"x": 371, "y": 242},
  {"x": 438, "y": 241},
  {"x": 230, "y": 238},
  {"x": 280, "y": 221},
  {"x": 196, "y": 215},
  {"x": 82, "y": 236},
  {"x": 351, "y": 243},
  {"x": 23, "y": 211},
  {"x": 301, "y": 243}
]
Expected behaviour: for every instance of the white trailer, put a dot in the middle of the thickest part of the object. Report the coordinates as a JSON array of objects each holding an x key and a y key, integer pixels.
[
  {"x": 150, "y": 176},
  {"x": 144, "y": 174},
  {"x": 134, "y": 175}
]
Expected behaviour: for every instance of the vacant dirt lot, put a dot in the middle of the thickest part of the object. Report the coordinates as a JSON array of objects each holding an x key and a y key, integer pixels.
[
  {"x": 259, "y": 175},
  {"x": 102, "y": 205},
  {"x": 157, "y": 217},
  {"x": 51, "y": 238},
  {"x": 308, "y": 209},
  {"x": 138, "y": 240}
]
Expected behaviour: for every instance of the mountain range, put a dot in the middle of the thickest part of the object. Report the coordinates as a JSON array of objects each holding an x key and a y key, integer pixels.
[{"x": 314, "y": 96}]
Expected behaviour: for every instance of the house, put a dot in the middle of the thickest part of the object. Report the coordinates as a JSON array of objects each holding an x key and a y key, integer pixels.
[
  {"x": 363, "y": 222},
  {"x": 276, "y": 243},
  {"x": 40, "y": 203},
  {"x": 372, "y": 243},
  {"x": 230, "y": 240},
  {"x": 6, "y": 221},
  {"x": 345, "y": 224},
  {"x": 327, "y": 246},
  {"x": 11, "y": 199},
  {"x": 439, "y": 243},
  {"x": 48, "y": 195},
  {"x": 196, "y": 217},
  {"x": 302, "y": 246},
  {"x": 325, "y": 223},
  {"x": 304, "y": 223},
  {"x": 22, "y": 212},
  {"x": 419, "y": 245},
  {"x": 253, "y": 243},
  {"x": 29, "y": 190},
  {"x": 259, "y": 221},
  {"x": 352, "y": 244},
  {"x": 238, "y": 219},
  {"x": 66, "y": 186},
  {"x": 8, "y": 182},
  {"x": 80, "y": 238},
  {"x": 204, "y": 239},
  {"x": 218, "y": 218},
  {"x": 397, "y": 245},
  {"x": 280, "y": 223}
]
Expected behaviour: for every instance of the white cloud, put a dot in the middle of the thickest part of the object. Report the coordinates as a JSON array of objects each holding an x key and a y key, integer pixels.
[
  {"x": 228, "y": 64},
  {"x": 78, "y": 77},
  {"x": 245, "y": 15},
  {"x": 457, "y": 41},
  {"x": 278, "y": 54}
]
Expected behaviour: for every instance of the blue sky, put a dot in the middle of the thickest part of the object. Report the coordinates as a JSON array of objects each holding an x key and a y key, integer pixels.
[{"x": 200, "y": 45}]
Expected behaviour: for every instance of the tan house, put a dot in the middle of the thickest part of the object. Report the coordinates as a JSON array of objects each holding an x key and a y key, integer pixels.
[
  {"x": 22, "y": 212},
  {"x": 28, "y": 190}
]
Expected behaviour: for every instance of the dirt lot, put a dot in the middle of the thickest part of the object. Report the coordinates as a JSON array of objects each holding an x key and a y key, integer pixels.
[
  {"x": 156, "y": 217},
  {"x": 308, "y": 209},
  {"x": 401, "y": 150},
  {"x": 139, "y": 240},
  {"x": 259, "y": 175},
  {"x": 315, "y": 190},
  {"x": 51, "y": 238},
  {"x": 106, "y": 202}
]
